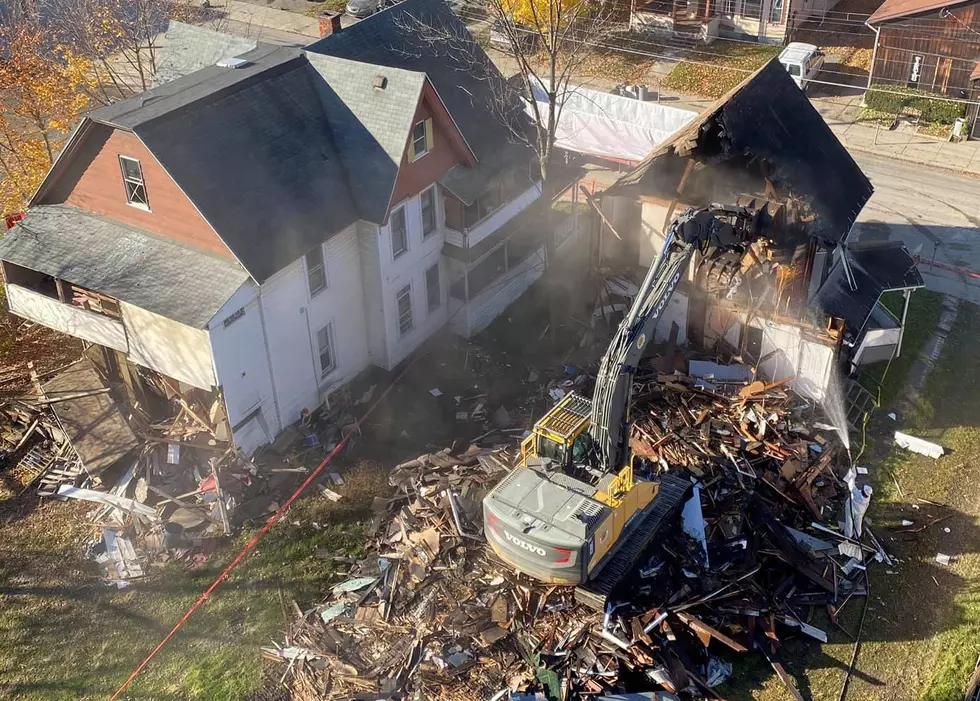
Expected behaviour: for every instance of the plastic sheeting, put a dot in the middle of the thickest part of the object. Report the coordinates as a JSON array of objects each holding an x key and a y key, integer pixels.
[{"x": 601, "y": 124}]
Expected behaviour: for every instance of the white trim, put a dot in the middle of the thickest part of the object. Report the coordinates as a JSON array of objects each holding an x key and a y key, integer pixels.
[
  {"x": 435, "y": 211},
  {"x": 395, "y": 255},
  {"x": 411, "y": 311},
  {"x": 324, "y": 373},
  {"x": 311, "y": 294}
]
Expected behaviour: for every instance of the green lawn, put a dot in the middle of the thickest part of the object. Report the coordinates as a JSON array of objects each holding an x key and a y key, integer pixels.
[
  {"x": 730, "y": 63},
  {"x": 64, "y": 635},
  {"x": 925, "y": 308}
]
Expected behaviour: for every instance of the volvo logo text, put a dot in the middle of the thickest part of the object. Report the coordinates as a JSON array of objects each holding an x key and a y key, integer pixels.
[{"x": 523, "y": 544}]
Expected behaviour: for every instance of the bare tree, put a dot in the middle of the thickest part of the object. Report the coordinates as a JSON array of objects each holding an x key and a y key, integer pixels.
[
  {"x": 548, "y": 41},
  {"x": 120, "y": 37}
]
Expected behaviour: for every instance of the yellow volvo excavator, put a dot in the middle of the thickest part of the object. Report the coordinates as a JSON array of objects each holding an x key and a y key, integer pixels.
[{"x": 573, "y": 511}]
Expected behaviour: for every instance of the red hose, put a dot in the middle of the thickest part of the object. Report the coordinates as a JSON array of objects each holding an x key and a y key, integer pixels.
[{"x": 258, "y": 536}]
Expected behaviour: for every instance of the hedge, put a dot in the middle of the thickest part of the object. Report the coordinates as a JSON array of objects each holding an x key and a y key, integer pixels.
[{"x": 930, "y": 107}]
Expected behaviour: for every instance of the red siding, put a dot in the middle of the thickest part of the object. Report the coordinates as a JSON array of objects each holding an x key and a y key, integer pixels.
[
  {"x": 91, "y": 179},
  {"x": 448, "y": 149}
]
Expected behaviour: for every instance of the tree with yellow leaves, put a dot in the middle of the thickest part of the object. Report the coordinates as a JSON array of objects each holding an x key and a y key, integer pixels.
[{"x": 43, "y": 91}]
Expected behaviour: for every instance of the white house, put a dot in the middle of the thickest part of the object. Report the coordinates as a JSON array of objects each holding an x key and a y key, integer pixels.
[{"x": 273, "y": 224}]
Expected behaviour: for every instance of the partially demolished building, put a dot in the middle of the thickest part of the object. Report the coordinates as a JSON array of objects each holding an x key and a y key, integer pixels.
[{"x": 798, "y": 303}]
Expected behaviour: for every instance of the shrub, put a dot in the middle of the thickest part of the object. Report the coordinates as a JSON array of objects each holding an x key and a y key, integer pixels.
[{"x": 931, "y": 108}]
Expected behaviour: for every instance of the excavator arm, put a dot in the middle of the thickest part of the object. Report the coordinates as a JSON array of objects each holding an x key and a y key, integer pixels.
[{"x": 709, "y": 231}]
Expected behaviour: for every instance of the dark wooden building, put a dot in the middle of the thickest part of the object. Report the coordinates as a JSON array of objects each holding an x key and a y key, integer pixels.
[{"x": 932, "y": 45}]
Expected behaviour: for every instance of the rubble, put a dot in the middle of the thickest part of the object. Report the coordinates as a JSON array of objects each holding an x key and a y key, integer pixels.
[
  {"x": 162, "y": 477},
  {"x": 758, "y": 555}
]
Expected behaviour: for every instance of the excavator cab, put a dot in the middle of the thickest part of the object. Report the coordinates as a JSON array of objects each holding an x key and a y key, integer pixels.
[{"x": 561, "y": 435}]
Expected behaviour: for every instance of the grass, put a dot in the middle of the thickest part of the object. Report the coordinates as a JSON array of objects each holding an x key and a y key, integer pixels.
[
  {"x": 731, "y": 63},
  {"x": 926, "y": 638},
  {"x": 925, "y": 308},
  {"x": 326, "y": 6},
  {"x": 64, "y": 635}
]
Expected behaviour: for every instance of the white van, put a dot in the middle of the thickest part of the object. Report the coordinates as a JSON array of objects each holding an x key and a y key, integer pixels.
[{"x": 802, "y": 62}]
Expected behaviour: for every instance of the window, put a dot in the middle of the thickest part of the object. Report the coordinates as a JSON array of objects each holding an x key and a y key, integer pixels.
[
  {"x": 316, "y": 274},
  {"x": 399, "y": 234},
  {"x": 428, "y": 201},
  {"x": 132, "y": 174},
  {"x": 421, "y": 139},
  {"x": 403, "y": 300},
  {"x": 433, "y": 290},
  {"x": 752, "y": 9},
  {"x": 324, "y": 344},
  {"x": 776, "y": 11}
]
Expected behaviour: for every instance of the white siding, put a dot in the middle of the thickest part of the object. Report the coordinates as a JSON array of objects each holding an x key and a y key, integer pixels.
[
  {"x": 503, "y": 215},
  {"x": 169, "y": 347},
  {"x": 66, "y": 318},
  {"x": 477, "y": 314},
  {"x": 809, "y": 363},
  {"x": 455, "y": 238},
  {"x": 241, "y": 362},
  {"x": 409, "y": 269},
  {"x": 368, "y": 238},
  {"x": 292, "y": 320}
]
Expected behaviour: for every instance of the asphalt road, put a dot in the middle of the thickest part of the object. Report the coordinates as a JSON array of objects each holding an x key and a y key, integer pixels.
[{"x": 935, "y": 212}]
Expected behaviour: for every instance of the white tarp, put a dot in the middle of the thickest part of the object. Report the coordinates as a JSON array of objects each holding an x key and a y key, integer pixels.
[{"x": 601, "y": 124}]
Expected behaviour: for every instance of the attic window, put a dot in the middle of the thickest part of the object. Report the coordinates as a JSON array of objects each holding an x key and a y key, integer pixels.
[
  {"x": 421, "y": 139},
  {"x": 132, "y": 173},
  {"x": 380, "y": 82}
]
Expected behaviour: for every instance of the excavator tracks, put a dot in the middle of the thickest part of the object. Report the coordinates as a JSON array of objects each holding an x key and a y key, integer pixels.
[{"x": 594, "y": 593}]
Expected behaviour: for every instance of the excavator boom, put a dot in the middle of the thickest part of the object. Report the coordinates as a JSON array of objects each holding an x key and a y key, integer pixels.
[{"x": 567, "y": 523}]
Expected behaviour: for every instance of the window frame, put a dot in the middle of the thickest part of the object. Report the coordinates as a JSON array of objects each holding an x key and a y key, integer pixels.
[
  {"x": 782, "y": 8},
  {"x": 399, "y": 211},
  {"x": 431, "y": 193},
  {"x": 406, "y": 293},
  {"x": 330, "y": 349},
  {"x": 136, "y": 184},
  {"x": 429, "y": 306},
  {"x": 322, "y": 268},
  {"x": 417, "y": 153}
]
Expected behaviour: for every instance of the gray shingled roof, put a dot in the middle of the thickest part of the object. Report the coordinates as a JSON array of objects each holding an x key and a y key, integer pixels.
[
  {"x": 425, "y": 36},
  {"x": 153, "y": 273},
  {"x": 186, "y": 48},
  {"x": 370, "y": 125},
  {"x": 252, "y": 149}
]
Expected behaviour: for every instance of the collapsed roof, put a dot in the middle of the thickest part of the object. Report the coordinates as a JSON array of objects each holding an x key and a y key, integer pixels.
[
  {"x": 765, "y": 129},
  {"x": 861, "y": 274}
]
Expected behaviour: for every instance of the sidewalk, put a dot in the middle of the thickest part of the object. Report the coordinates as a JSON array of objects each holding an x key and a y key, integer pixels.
[
  {"x": 256, "y": 18},
  {"x": 841, "y": 113}
]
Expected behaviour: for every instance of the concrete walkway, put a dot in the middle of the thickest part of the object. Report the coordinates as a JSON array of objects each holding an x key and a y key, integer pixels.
[
  {"x": 841, "y": 113},
  {"x": 257, "y": 17}
]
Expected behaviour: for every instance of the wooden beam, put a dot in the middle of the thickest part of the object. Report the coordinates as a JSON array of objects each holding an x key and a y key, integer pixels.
[{"x": 592, "y": 203}]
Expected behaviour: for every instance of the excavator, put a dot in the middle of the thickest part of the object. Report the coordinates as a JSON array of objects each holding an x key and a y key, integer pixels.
[{"x": 573, "y": 511}]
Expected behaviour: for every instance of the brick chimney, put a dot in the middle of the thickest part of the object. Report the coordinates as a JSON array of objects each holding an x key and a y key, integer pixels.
[{"x": 329, "y": 23}]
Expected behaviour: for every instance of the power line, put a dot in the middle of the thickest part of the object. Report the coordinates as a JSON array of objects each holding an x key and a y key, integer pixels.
[
  {"x": 683, "y": 50},
  {"x": 634, "y": 42},
  {"x": 747, "y": 71}
]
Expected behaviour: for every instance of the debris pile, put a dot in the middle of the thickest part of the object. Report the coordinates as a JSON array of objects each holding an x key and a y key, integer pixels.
[
  {"x": 165, "y": 480},
  {"x": 771, "y": 544}
]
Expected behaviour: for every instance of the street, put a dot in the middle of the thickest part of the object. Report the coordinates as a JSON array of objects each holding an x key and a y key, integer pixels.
[{"x": 935, "y": 212}]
